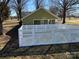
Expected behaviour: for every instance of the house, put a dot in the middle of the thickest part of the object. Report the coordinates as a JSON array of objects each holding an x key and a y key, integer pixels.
[
  {"x": 40, "y": 16},
  {"x": 39, "y": 28}
]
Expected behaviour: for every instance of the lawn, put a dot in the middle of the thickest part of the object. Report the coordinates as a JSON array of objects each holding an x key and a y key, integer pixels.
[
  {"x": 51, "y": 56},
  {"x": 74, "y": 21},
  {"x": 9, "y": 24}
]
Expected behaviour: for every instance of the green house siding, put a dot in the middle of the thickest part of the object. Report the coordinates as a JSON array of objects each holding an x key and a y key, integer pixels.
[{"x": 40, "y": 14}]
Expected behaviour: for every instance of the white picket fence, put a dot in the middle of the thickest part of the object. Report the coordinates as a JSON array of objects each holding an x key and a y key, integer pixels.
[{"x": 30, "y": 35}]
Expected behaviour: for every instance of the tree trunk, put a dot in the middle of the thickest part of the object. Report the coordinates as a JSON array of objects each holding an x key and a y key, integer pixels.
[
  {"x": 20, "y": 22},
  {"x": 64, "y": 15},
  {"x": 1, "y": 27},
  {"x": 37, "y": 4},
  {"x": 20, "y": 16},
  {"x": 64, "y": 12}
]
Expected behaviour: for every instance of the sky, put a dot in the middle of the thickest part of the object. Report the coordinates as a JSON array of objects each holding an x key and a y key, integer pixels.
[{"x": 30, "y": 6}]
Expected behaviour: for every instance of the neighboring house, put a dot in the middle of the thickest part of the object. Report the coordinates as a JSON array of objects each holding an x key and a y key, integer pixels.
[{"x": 40, "y": 16}]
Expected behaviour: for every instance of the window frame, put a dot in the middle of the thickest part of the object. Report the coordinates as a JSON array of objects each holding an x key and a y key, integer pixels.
[{"x": 42, "y": 21}]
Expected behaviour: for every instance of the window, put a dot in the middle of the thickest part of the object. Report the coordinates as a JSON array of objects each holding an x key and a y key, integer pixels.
[
  {"x": 37, "y": 22},
  {"x": 51, "y": 21},
  {"x": 44, "y": 21}
]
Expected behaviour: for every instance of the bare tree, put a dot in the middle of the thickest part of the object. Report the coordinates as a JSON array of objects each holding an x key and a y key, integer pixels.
[
  {"x": 38, "y": 3},
  {"x": 65, "y": 5},
  {"x": 54, "y": 10},
  {"x": 3, "y": 13},
  {"x": 18, "y": 6}
]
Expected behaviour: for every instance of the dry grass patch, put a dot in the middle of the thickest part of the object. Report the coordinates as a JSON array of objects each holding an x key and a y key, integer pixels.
[
  {"x": 9, "y": 24},
  {"x": 3, "y": 40},
  {"x": 72, "y": 21},
  {"x": 66, "y": 55}
]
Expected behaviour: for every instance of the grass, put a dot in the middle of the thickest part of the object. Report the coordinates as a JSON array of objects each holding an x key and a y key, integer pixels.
[
  {"x": 74, "y": 21},
  {"x": 52, "y": 56},
  {"x": 9, "y": 24},
  {"x": 65, "y": 55},
  {"x": 3, "y": 40}
]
